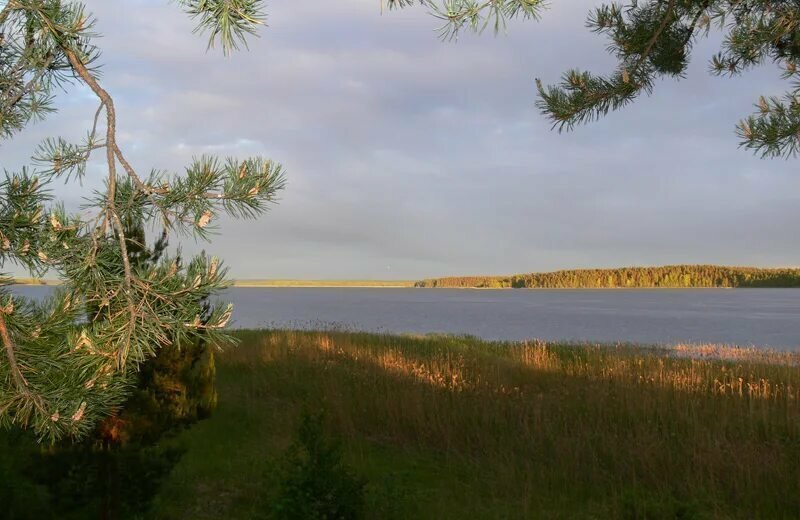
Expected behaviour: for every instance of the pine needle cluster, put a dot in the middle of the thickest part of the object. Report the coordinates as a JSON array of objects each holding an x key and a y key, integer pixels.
[
  {"x": 653, "y": 39},
  {"x": 473, "y": 15}
]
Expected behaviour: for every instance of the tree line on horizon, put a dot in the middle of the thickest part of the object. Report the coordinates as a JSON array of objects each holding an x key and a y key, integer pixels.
[{"x": 671, "y": 276}]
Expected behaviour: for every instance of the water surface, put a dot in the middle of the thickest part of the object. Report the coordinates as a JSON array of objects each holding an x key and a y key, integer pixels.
[{"x": 760, "y": 317}]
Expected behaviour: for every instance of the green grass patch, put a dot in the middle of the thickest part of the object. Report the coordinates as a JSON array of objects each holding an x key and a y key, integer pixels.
[{"x": 454, "y": 427}]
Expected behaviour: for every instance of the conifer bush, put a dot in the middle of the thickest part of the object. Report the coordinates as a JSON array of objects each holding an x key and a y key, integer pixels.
[{"x": 316, "y": 484}]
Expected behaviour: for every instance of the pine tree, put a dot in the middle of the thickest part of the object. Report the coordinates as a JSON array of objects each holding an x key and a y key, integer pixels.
[
  {"x": 70, "y": 361},
  {"x": 116, "y": 470},
  {"x": 653, "y": 39},
  {"x": 174, "y": 388}
]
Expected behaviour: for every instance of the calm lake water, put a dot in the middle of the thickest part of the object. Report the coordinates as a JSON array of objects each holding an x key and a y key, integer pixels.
[{"x": 761, "y": 317}]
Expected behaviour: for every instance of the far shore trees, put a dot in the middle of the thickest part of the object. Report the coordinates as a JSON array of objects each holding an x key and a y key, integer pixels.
[{"x": 670, "y": 276}]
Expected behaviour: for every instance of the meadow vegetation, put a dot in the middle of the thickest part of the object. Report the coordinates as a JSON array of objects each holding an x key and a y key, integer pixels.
[
  {"x": 454, "y": 427},
  {"x": 671, "y": 276}
]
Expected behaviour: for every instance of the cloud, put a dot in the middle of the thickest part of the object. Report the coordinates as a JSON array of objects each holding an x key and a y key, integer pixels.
[{"x": 408, "y": 157}]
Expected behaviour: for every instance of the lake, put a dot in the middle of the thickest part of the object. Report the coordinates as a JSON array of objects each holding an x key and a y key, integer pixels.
[{"x": 746, "y": 317}]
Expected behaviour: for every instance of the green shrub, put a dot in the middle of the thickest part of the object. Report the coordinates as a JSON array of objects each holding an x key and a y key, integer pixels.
[
  {"x": 316, "y": 485},
  {"x": 20, "y": 497},
  {"x": 119, "y": 483}
]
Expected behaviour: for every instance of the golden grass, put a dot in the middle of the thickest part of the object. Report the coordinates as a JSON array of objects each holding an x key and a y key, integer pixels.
[{"x": 467, "y": 428}]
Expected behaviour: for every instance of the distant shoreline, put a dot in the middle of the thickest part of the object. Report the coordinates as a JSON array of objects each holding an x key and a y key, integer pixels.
[
  {"x": 624, "y": 278},
  {"x": 356, "y": 284},
  {"x": 362, "y": 284},
  {"x": 367, "y": 284}
]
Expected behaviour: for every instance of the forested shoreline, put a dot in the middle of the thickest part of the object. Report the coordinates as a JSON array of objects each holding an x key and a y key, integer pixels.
[{"x": 671, "y": 276}]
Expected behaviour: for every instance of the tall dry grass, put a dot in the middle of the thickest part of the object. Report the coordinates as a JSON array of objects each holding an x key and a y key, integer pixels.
[{"x": 539, "y": 430}]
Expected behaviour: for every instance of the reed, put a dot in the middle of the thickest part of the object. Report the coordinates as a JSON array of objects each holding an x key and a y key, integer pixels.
[{"x": 448, "y": 427}]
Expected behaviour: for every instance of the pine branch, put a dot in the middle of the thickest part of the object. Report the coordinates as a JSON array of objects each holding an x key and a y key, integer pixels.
[
  {"x": 581, "y": 97},
  {"x": 10, "y": 5},
  {"x": 13, "y": 99},
  {"x": 82, "y": 364},
  {"x": 11, "y": 356},
  {"x": 229, "y": 21},
  {"x": 25, "y": 393},
  {"x": 667, "y": 18},
  {"x": 111, "y": 151}
]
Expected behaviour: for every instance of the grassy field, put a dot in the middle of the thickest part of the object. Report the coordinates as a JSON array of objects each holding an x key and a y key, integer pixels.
[{"x": 446, "y": 427}]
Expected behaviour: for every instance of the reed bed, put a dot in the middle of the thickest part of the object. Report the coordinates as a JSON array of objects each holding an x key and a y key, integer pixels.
[{"x": 449, "y": 427}]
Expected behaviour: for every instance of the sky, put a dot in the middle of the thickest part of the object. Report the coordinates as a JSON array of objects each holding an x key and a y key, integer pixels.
[{"x": 407, "y": 157}]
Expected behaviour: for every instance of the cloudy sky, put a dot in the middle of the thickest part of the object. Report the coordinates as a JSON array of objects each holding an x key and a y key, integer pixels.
[{"x": 409, "y": 158}]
